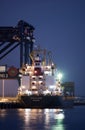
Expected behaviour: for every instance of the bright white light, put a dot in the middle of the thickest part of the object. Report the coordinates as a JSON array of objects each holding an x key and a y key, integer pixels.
[
  {"x": 46, "y": 72},
  {"x": 23, "y": 87},
  {"x": 28, "y": 38},
  {"x": 52, "y": 87},
  {"x": 40, "y": 76},
  {"x": 33, "y": 87},
  {"x": 34, "y": 82},
  {"x": 48, "y": 67},
  {"x": 60, "y": 115},
  {"x": 47, "y": 92},
  {"x": 40, "y": 82},
  {"x": 59, "y": 76},
  {"x": 27, "y": 116},
  {"x": 30, "y": 72},
  {"x": 28, "y": 92},
  {"x": 33, "y": 77}
]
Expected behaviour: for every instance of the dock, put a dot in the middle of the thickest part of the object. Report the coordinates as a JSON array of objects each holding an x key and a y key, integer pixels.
[
  {"x": 14, "y": 103},
  {"x": 79, "y": 101},
  {"x": 9, "y": 102}
]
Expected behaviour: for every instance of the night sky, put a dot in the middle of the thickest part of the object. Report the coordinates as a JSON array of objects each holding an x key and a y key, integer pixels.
[{"x": 59, "y": 27}]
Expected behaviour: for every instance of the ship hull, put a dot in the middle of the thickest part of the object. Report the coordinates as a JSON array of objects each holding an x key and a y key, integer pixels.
[{"x": 41, "y": 101}]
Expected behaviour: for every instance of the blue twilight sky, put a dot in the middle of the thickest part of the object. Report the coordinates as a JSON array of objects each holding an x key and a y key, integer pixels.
[{"x": 59, "y": 27}]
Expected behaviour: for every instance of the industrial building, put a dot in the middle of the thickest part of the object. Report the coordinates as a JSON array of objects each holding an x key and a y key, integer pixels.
[{"x": 68, "y": 89}]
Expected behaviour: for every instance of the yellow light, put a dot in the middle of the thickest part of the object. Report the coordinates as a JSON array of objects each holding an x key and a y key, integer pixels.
[
  {"x": 40, "y": 82},
  {"x": 23, "y": 87},
  {"x": 34, "y": 87}
]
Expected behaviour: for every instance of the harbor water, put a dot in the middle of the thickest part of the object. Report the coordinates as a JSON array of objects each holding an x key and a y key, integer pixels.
[{"x": 43, "y": 119}]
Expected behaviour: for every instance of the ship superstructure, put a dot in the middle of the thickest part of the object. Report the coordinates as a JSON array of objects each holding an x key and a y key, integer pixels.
[{"x": 39, "y": 78}]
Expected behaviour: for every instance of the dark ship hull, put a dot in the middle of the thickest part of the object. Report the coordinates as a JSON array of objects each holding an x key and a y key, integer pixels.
[{"x": 43, "y": 101}]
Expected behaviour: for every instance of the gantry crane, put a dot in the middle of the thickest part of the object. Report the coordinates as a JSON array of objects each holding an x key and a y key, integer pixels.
[{"x": 20, "y": 35}]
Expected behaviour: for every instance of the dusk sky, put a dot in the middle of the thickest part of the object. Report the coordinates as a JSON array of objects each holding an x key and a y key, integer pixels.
[{"x": 59, "y": 27}]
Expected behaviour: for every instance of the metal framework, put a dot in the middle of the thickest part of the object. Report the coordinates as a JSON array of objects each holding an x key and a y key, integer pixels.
[{"x": 12, "y": 37}]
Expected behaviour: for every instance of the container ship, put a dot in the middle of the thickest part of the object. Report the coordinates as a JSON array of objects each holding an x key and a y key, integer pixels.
[{"x": 39, "y": 87}]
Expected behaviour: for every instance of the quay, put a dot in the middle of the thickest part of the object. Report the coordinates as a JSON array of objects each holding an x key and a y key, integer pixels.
[
  {"x": 79, "y": 101},
  {"x": 9, "y": 102},
  {"x": 13, "y": 102}
]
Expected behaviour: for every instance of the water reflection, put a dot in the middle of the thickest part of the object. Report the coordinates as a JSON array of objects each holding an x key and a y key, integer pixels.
[
  {"x": 59, "y": 116},
  {"x": 3, "y": 113},
  {"x": 44, "y": 119}
]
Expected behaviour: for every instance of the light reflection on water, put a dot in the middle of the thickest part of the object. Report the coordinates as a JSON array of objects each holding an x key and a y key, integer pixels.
[
  {"x": 2, "y": 113},
  {"x": 51, "y": 119},
  {"x": 43, "y": 119}
]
